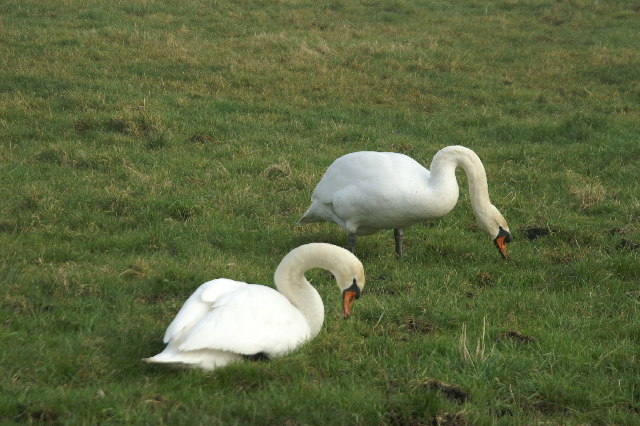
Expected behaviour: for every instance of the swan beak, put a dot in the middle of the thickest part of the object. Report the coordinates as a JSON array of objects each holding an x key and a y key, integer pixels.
[
  {"x": 348, "y": 298},
  {"x": 501, "y": 243}
]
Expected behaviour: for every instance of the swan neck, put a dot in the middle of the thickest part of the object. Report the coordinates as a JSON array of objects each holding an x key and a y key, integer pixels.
[
  {"x": 291, "y": 282},
  {"x": 443, "y": 169}
]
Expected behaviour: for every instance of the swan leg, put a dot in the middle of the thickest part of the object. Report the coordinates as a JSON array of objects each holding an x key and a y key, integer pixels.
[
  {"x": 260, "y": 356},
  {"x": 397, "y": 234},
  {"x": 352, "y": 242}
]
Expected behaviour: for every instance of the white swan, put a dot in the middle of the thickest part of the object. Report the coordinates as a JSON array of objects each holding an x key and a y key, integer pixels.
[
  {"x": 225, "y": 320},
  {"x": 366, "y": 191}
]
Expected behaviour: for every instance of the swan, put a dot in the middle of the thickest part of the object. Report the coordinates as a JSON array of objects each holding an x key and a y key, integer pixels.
[
  {"x": 367, "y": 191},
  {"x": 225, "y": 321}
]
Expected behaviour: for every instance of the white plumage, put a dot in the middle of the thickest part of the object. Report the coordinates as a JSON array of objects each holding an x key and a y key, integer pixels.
[
  {"x": 225, "y": 320},
  {"x": 367, "y": 191}
]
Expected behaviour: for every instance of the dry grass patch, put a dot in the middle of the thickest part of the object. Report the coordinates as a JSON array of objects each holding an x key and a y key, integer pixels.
[
  {"x": 587, "y": 192},
  {"x": 277, "y": 171}
]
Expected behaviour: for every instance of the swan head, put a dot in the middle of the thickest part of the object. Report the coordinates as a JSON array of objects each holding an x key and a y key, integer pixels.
[
  {"x": 492, "y": 222},
  {"x": 350, "y": 279},
  {"x": 347, "y": 271}
]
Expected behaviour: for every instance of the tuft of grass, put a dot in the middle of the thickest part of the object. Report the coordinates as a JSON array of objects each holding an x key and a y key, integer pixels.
[{"x": 587, "y": 193}]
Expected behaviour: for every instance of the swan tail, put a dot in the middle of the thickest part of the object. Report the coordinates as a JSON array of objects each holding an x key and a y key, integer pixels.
[
  {"x": 308, "y": 217},
  {"x": 205, "y": 359},
  {"x": 311, "y": 215},
  {"x": 320, "y": 212}
]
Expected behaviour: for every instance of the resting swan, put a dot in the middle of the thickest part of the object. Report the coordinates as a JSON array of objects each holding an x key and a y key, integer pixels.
[
  {"x": 366, "y": 191},
  {"x": 225, "y": 320}
]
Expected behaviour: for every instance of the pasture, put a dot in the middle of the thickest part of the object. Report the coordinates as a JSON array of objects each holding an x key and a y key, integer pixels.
[{"x": 148, "y": 146}]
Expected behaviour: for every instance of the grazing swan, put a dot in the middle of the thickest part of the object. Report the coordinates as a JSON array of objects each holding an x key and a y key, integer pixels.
[
  {"x": 225, "y": 320},
  {"x": 366, "y": 191}
]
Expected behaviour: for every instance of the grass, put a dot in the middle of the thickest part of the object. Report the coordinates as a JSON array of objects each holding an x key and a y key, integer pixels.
[{"x": 149, "y": 146}]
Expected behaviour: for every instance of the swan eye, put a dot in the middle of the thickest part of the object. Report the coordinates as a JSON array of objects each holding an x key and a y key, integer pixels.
[{"x": 354, "y": 288}]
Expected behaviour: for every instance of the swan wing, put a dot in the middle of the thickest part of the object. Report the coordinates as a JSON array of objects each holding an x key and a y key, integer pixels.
[
  {"x": 366, "y": 191},
  {"x": 376, "y": 171},
  {"x": 248, "y": 321},
  {"x": 198, "y": 305}
]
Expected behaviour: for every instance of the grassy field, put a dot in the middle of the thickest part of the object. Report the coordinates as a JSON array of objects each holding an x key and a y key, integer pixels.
[{"x": 148, "y": 146}]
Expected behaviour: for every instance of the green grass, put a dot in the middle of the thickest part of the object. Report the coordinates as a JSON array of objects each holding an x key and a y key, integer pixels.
[{"x": 148, "y": 146}]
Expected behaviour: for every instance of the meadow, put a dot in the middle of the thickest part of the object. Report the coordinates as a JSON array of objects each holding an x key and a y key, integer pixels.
[{"x": 148, "y": 146}]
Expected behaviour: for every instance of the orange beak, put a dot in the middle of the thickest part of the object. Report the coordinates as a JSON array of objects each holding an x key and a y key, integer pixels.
[
  {"x": 347, "y": 300},
  {"x": 501, "y": 243}
]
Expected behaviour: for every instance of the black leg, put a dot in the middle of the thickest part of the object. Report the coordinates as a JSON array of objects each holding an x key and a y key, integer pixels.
[
  {"x": 352, "y": 242},
  {"x": 260, "y": 356},
  {"x": 397, "y": 233}
]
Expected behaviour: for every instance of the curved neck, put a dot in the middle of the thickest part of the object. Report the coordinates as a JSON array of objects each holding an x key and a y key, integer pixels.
[
  {"x": 443, "y": 171},
  {"x": 291, "y": 282}
]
